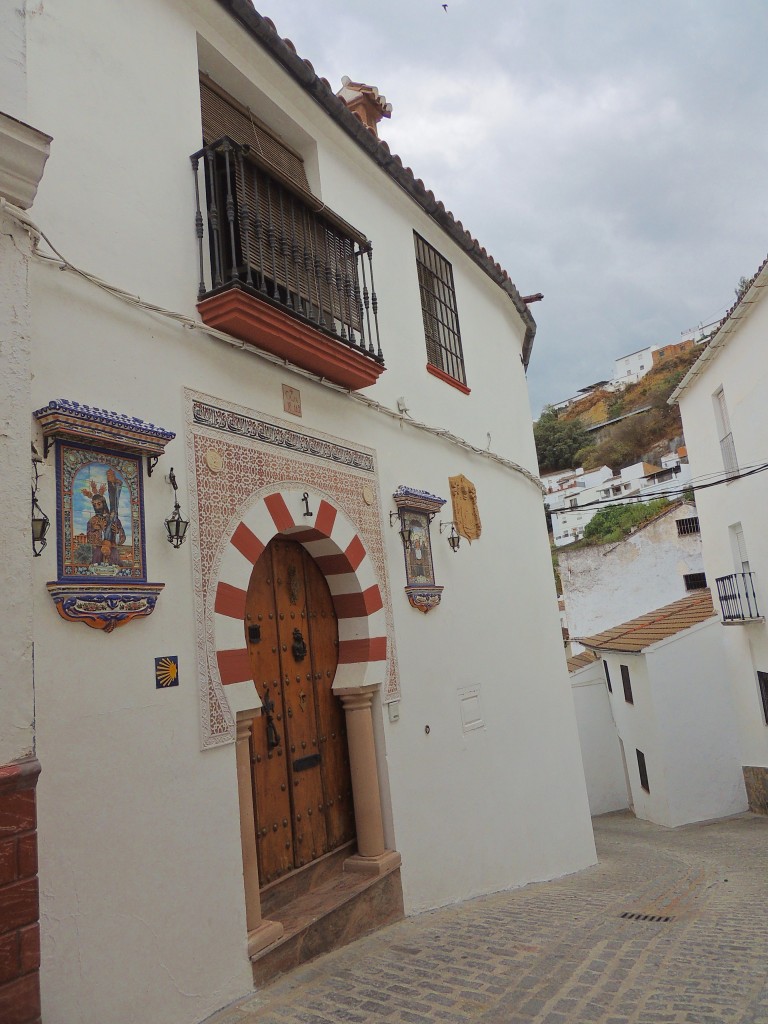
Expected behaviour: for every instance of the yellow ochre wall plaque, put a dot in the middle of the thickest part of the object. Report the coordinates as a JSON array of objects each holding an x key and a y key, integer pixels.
[{"x": 466, "y": 517}]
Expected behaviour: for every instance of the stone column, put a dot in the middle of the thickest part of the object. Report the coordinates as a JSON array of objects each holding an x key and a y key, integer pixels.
[
  {"x": 261, "y": 933},
  {"x": 372, "y": 857}
]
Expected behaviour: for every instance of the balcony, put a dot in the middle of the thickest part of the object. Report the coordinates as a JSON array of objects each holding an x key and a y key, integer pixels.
[
  {"x": 738, "y": 599},
  {"x": 279, "y": 274}
]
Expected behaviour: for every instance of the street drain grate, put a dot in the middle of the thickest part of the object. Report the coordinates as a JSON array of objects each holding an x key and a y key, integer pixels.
[{"x": 645, "y": 917}]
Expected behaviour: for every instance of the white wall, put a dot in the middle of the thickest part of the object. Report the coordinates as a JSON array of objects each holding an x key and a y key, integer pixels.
[
  {"x": 600, "y": 751},
  {"x": 741, "y": 369},
  {"x": 682, "y": 719},
  {"x": 13, "y": 60},
  {"x": 16, "y": 684},
  {"x": 140, "y": 849},
  {"x": 696, "y": 725},
  {"x": 636, "y": 724},
  {"x": 606, "y": 584}
]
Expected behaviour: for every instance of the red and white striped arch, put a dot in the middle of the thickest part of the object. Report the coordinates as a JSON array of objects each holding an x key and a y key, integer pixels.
[{"x": 338, "y": 550}]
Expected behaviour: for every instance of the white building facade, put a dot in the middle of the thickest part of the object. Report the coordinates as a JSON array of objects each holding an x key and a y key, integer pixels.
[
  {"x": 227, "y": 345},
  {"x": 661, "y": 561},
  {"x": 633, "y": 367},
  {"x": 670, "y": 700},
  {"x": 639, "y": 482},
  {"x": 722, "y": 401}
]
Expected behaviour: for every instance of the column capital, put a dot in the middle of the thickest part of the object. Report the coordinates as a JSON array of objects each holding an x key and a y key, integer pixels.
[{"x": 357, "y": 698}]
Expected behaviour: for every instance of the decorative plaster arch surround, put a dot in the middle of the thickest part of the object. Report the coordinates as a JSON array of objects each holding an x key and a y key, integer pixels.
[
  {"x": 247, "y": 473},
  {"x": 337, "y": 548}
]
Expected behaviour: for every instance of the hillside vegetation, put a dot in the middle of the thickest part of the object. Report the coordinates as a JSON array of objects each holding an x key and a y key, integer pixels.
[{"x": 562, "y": 440}]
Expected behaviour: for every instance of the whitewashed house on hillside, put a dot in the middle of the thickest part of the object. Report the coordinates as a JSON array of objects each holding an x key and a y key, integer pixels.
[
  {"x": 634, "y": 366},
  {"x": 670, "y": 698},
  {"x": 259, "y": 322},
  {"x": 660, "y": 561},
  {"x": 638, "y": 482},
  {"x": 725, "y": 418}
]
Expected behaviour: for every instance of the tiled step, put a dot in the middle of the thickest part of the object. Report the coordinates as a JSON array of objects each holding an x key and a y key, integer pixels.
[{"x": 338, "y": 908}]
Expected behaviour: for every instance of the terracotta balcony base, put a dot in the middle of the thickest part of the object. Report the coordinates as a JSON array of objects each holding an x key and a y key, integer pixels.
[{"x": 244, "y": 316}]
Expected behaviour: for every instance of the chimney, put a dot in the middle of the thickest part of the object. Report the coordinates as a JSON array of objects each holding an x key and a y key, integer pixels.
[{"x": 365, "y": 102}]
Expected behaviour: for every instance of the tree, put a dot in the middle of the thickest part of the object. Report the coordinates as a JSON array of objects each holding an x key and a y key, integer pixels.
[
  {"x": 616, "y": 521},
  {"x": 741, "y": 287},
  {"x": 557, "y": 441}
]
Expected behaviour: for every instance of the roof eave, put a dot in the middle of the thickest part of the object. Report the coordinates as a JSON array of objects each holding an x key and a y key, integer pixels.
[
  {"x": 320, "y": 90},
  {"x": 729, "y": 326}
]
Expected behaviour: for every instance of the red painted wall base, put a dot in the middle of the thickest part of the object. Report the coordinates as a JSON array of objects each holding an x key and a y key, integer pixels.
[{"x": 19, "y": 899}]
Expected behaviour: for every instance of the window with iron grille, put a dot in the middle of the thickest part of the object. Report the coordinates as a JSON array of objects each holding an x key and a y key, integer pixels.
[
  {"x": 642, "y": 770},
  {"x": 695, "y": 580},
  {"x": 438, "y": 310},
  {"x": 762, "y": 681},
  {"x": 626, "y": 684},
  {"x": 689, "y": 525},
  {"x": 607, "y": 677}
]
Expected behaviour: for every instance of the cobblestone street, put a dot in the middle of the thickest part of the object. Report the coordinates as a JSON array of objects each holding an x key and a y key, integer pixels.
[{"x": 561, "y": 952}]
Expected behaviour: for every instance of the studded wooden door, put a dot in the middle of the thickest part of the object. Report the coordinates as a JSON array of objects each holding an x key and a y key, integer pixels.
[{"x": 300, "y": 763}]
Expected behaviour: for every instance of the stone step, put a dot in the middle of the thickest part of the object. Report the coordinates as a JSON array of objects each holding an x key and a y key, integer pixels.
[{"x": 339, "y": 908}]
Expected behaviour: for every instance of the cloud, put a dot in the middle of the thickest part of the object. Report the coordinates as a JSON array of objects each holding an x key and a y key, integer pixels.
[{"x": 610, "y": 155}]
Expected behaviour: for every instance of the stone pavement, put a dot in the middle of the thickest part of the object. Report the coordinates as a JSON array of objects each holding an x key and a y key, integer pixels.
[{"x": 560, "y": 952}]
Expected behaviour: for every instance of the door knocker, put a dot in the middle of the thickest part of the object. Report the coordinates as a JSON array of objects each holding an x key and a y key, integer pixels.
[{"x": 298, "y": 646}]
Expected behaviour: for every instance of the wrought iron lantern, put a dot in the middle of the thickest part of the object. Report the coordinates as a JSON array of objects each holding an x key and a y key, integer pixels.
[
  {"x": 40, "y": 521},
  {"x": 453, "y": 538},
  {"x": 175, "y": 525},
  {"x": 404, "y": 531}
]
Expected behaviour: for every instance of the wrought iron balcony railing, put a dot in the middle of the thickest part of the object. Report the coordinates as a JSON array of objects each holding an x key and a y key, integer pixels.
[
  {"x": 738, "y": 598},
  {"x": 269, "y": 243}
]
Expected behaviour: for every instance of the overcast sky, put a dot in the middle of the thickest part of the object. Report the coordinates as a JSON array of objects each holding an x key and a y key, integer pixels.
[{"x": 610, "y": 154}]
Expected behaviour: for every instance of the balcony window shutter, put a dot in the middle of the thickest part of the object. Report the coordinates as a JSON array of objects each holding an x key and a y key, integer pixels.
[
  {"x": 293, "y": 240},
  {"x": 223, "y": 115}
]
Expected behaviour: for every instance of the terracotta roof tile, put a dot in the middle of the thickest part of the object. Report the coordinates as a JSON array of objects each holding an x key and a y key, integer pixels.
[
  {"x": 751, "y": 281},
  {"x": 284, "y": 52},
  {"x": 581, "y": 660},
  {"x": 637, "y": 634}
]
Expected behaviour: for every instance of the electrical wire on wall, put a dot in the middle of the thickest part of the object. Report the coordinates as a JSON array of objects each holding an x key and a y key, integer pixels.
[{"x": 404, "y": 417}]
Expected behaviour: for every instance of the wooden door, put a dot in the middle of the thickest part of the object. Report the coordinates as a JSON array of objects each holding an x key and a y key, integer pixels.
[{"x": 301, "y": 781}]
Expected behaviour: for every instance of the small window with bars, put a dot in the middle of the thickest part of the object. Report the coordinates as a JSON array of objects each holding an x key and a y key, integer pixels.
[
  {"x": 689, "y": 525},
  {"x": 439, "y": 312},
  {"x": 643, "y": 770},
  {"x": 626, "y": 684},
  {"x": 607, "y": 677},
  {"x": 695, "y": 580},
  {"x": 762, "y": 682}
]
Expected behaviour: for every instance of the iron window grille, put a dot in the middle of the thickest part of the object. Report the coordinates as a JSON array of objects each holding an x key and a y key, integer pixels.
[
  {"x": 643, "y": 770},
  {"x": 738, "y": 598},
  {"x": 626, "y": 684},
  {"x": 762, "y": 682},
  {"x": 695, "y": 580},
  {"x": 689, "y": 525},
  {"x": 270, "y": 236},
  {"x": 439, "y": 310}
]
